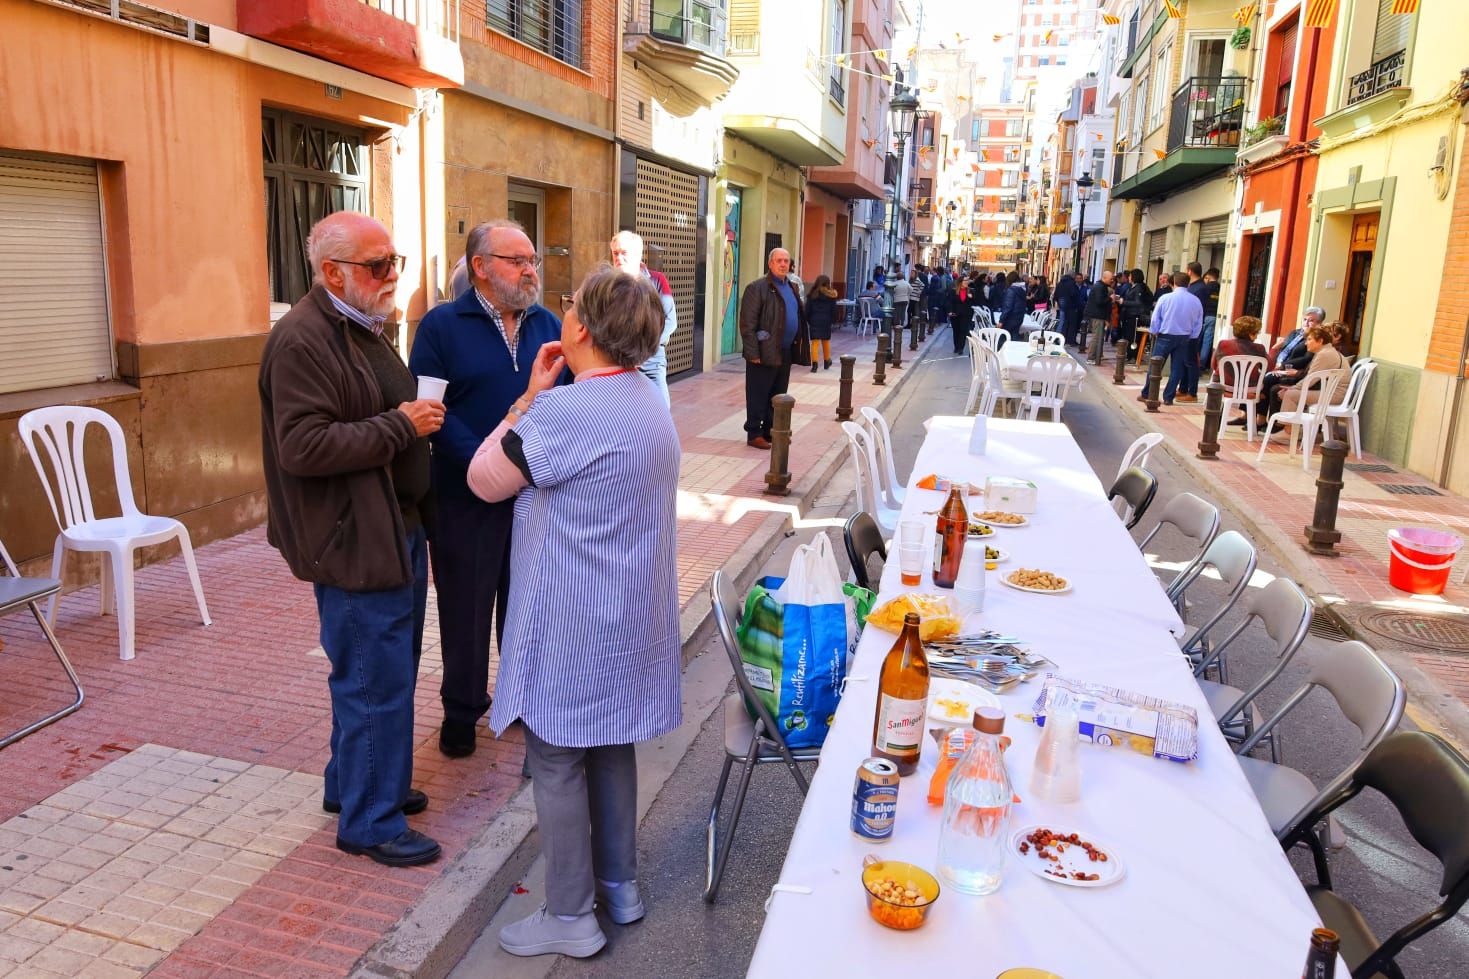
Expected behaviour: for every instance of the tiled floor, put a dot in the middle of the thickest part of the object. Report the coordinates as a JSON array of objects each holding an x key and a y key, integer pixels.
[{"x": 142, "y": 860}]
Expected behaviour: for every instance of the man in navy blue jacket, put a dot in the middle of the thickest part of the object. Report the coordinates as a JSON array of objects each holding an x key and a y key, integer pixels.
[{"x": 483, "y": 344}]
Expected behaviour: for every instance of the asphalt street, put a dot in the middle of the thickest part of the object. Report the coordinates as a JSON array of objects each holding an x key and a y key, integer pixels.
[{"x": 1381, "y": 869}]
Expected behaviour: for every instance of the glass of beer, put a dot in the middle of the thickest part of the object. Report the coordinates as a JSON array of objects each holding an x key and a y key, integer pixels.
[{"x": 913, "y": 550}]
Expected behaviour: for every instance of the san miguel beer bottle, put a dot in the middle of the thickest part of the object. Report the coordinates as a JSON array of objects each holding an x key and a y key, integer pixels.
[
  {"x": 902, "y": 700},
  {"x": 952, "y": 530},
  {"x": 1321, "y": 957}
]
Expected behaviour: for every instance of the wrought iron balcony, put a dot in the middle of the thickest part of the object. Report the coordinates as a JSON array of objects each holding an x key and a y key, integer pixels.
[
  {"x": 1383, "y": 75},
  {"x": 411, "y": 42},
  {"x": 1207, "y": 112}
]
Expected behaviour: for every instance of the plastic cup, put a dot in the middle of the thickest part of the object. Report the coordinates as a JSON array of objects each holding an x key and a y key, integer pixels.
[
  {"x": 432, "y": 388},
  {"x": 910, "y": 562},
  {"x": 1056, "y": 775}
]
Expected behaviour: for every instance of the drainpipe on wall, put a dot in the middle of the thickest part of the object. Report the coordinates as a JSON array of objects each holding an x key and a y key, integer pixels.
[{"x": 1454, "y": 406}]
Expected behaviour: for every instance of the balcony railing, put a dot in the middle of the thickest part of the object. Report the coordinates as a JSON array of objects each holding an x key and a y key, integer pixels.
[
  {"x": 1383, "y": 75},
  {"x": 1207, "y": 112},
  {"x": 440, "y": 17},
  {"x": 834, "y": 86},
  {"x": 696, "y": 23}
]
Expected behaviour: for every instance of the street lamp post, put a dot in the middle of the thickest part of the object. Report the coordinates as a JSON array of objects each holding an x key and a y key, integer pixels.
[
  {"x": 901, "y": 111},
  {"x": 1084, "y": 184},
  {"x": 949, "y": 232}
]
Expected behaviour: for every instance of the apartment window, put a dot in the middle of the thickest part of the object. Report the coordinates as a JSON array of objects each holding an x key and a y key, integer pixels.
[
  {"x": 1099, "y": 165},
  {"x": 54, "y": 328},
  {"x": 696, "y": 23},
  {"x": 1161, "y": 70},
  {"x": 1012, "y": 154},
  {"x": 1012, "y": 127},
  {"x": 313, "y": 168},
  {"x": 836, "y": 34},
  {"x": 1009, "y": 179},
  {"x": 552, "y": 26},
  {"x": 1139, "y": 110},
  {"x": 974, "y": 131},
  {"x": 1389, "y": 54},
  {"x": 1285, "y": 69}
]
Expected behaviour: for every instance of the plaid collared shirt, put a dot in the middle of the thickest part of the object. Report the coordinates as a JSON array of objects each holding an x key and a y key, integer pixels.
[
  {"x": 373, "y": 324},
  {"x": 494, "y": 314}
]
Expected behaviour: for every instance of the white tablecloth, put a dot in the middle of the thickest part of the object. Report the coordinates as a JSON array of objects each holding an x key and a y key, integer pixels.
[
  {"x": 1207, "y": 890},
  {"x": 1015, "y": 361}
]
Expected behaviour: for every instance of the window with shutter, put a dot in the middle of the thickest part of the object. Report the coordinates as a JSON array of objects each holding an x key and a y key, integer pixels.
[
  {"x": 744, "y": 26},
  {"x": 1214, "y": 230},
  {"x": 1392, "y": 31},
  {"x": 1285, "y": 71},
  {"x": 1157, "y": 245},
  {"x": 54, "y": 327}
]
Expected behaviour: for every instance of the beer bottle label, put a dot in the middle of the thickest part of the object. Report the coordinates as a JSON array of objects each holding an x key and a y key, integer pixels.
[{"x": 900, "y": 724}]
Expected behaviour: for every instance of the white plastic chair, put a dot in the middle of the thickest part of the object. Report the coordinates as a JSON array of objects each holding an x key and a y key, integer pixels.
[
  {"x": 887, "y": 472},
  {"x": 871, "y": 318},
  {"x": 991, "y": 336},
  {"x": 61, "y": 432},
  {"x": 1046, "y": 339},
  {"x": 864, "y": 463},
  {"x": 1246, "y": 374},
  {"x": 1309, "y": 419},
  {"x": 996, "y": 388},
  {"x": 977, "y": 375},
  {"x": 1136, "y": 455},
  {"x": 1351, "y": 405},
  {"x": 982, "y": 317},
  {"x": 1048, "y": 379}
]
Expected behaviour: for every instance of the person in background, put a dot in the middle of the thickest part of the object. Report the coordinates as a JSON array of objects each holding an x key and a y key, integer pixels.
[
  {"x": 1190, "y": 391},
  {"x": 995, "y": 295},
  {"x": 774, "y": 331},
  {"x": 878, "y": 277},
  {"x": 1207, "y": 289},
  {"x": 627, "y": 256},
  {"x": 1177, "y": 318},
  {"x": 459, "y": 279},
  {"x": 961, "y": 312},
  {"x": 1039, "y": 296},
  {"x": 933, "y": 297},
  {"x": 1078, "y": 304},
  {"x": 1137, "y": 308},
  {"x": 1098, "y": 309},
  {"x": 901, "y": 295},
  {"x": 1289, "y": 358},
  {"x": 346, "y": 464},
  {"x": 821, "y": 312},
  {"x": 1165, "y": 286},
  {"x": 593, "y": 467},
  {"x": 1324, "y": 357},
  {"x": 870, "y": 291},
  {"x": 1341, "y": 335},
  {"x": 1245, "y": 330},
  {"x": 1012, "y": 306},
  {"x": 1064, "y": 298},
  {"x": 483, "y": 344}
]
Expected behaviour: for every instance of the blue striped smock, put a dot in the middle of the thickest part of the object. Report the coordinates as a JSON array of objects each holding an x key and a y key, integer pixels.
[{"x": 591, "y": 650}]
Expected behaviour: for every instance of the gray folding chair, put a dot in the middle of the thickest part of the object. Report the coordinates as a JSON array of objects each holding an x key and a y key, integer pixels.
[
  {"x": 1370, "y": 696},
  {"x": 1285, "y": 612},
  {"x": 1136, "y": 487},
  {"x": 16, "y": 591},
  {"x": 1233, "y": 558},
  {"x": 748, "y": 740},
  {"x": 863, "y": 539},
  {"x": 1198, "y": 520}
]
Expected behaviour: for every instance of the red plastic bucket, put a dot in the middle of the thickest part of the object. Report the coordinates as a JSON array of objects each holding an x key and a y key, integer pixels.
[{"x": 1419, "y": 559}]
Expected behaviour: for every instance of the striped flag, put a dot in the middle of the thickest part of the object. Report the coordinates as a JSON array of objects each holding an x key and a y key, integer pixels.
[
  {"x": 1320, "y": 13},
  {"x": 1161, "y": 154},
  {"x": 1246, "y": 13},
  {"x": 1173, "y": 9},
  {"x": 1048, "y": 36},
  {"x": 1111, "y": 20},
  {"x": 1405, "y": 6}
]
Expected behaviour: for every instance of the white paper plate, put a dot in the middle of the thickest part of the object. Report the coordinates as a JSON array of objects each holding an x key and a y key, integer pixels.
[
  {"x": 1073, "y": 858},
  {"x": 1004, "y": 555},
  {"x": 1024, "y": 522},
  {"x": 956, "y": 693},
  {"x": 1005, "y": 580}
]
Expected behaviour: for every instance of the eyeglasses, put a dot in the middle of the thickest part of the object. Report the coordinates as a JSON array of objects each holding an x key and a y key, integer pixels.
[
  {"x": 568, "y": 300},
  {"x": 520, "y": 261},
  {"x": 378, "y": 267}
]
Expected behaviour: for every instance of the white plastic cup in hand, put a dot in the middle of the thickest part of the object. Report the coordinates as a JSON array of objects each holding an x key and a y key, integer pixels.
[
  {"x": 432, "y": 388},
  {"x": 1056, "y": 775}
]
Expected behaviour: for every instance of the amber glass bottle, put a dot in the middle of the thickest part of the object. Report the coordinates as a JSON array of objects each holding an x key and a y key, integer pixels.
[
  {"x": 902, "y": 700},
  {"x": 1321, "y": 956},
  {"x": 952, "y": 530}
]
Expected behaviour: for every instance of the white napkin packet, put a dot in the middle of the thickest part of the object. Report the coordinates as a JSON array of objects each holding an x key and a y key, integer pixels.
[{"x": 1008, "y": 493}]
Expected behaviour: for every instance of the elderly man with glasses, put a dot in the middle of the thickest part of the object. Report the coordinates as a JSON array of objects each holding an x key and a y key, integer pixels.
[
  {"x": 483, "y": 343},
  {"x": 346, "y": 463}
]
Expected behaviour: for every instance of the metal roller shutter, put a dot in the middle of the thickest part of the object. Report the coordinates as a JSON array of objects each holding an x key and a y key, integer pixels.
[
  {"x": 1214, "y": 231},
  {"x": 53, "y": 283},
  {"x": 1157, "y": 245},
  {"x": 667, "y": 212},
  {"x": 1392, "y": 31}
]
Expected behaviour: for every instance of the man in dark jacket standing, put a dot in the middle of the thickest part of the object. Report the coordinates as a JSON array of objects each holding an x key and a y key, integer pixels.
[
  {"x": 347, "y": 479},
  {"x": 1064, "y": 299},
  {"x": 1098, "y": 314},
  {"x": 773, "y": 328},
  {"x": 1012, "y": 306}
]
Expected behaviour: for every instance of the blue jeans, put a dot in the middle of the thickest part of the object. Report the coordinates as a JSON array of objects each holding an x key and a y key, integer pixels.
[
  {"x": 1206, "y": 346},
  {"x": 373, "y": 640},
  {"x": 1174, "y": 349},
  {"x": 655, "y": 369}
]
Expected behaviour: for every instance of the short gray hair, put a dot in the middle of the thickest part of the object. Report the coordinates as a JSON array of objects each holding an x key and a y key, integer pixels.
[
  {"x": 478, "y": 239},
  {"x": 331, "y": 237},
  {"x": 1318, "y": 312},
  {"x": 622, "y": 313}
]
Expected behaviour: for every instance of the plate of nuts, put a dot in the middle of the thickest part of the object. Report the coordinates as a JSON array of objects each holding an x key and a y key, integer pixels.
[
  {"x": 898, "y": 894},
  {"x": 1036, "y": 580},
  {"x": 1063, "y": 856}
]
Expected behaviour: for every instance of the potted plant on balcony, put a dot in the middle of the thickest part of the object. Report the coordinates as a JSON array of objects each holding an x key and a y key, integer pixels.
[
  {"x": 1264, "y": 129},
  {"x": 1240, "y": 39}
]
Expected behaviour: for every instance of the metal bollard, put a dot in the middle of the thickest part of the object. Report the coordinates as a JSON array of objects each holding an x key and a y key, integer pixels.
[
  {"x": 778, "y": 480},
  {"x": 914, "y": 329},
  {"x": 1155, "y": 382},
  {"x": 1322, "y": 535},
  {"x": 844, "y": 388},
  {"x": 880, "y": 361},
  {"x": 1213, "y": 415},
  {"x": 1119, "y": 373},
  {"x": 895, "y": 353}
]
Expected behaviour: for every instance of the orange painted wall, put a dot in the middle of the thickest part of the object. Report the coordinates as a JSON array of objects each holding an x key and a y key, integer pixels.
[{"x": 179, "y": 127}]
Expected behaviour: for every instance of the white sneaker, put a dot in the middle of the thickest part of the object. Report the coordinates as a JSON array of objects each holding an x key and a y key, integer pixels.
[
  {"x": 545, "y": 934},
  {"x": 623, "y": 904}
]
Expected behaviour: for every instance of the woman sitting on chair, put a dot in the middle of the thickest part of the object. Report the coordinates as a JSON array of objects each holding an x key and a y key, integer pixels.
[
  {"x": 1324, "y": 357},
  {"x": 1246, "y": 329}
]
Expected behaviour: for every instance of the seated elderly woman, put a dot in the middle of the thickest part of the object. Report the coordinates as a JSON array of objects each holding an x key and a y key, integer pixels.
[
  {"x": 590, "y": 659},
  {"x": 1245, "y": 330},
  {"x": 1324, "y": 357}
]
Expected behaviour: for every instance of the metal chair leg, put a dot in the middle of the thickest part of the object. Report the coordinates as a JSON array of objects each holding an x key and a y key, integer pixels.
[
  {"x": 70, "y": 673},
  {"x": 734, "y": 820},
  {"x": 711, "y": 832}
]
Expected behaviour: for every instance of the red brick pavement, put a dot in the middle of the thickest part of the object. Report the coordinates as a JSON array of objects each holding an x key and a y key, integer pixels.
[{"x": 249, "y": 688}]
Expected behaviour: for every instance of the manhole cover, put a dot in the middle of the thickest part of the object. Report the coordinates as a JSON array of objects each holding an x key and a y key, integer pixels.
[{"x": 1445, "y": 633}]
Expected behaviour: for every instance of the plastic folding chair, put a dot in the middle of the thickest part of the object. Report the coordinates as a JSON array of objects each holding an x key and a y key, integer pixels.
[
  {"x": 887, "y": 473},
  {"x": 996, "y": 388},
  {"x": 1427, "y": 781},
  {"x": 864, "y": 462},
  {"x": 871, "y": 318},
  {"x": 863, "y": 539},
  {"x": 16, "y": 591},
  {"x": 1136, "y": 487},
  {"x": 1309, "y": 418},
  {"x": 1233, "y": 558},
  {"x": 1285, "y": 612},
  {"x": 991, "y": 336},
  {"x": 1048, "y": 380},
  {"x": 1245, "y": 373},
  {"x": 977, "y": 376},
  {"x": 1351, "y": 405},
  {"x": 1195, "y": 518},
  {"x": 61, "y": 432},
  {"x": 1136, "y": 455},
  {"x": 751, "y": 737},
  {"x": 1370, "y": 696}
]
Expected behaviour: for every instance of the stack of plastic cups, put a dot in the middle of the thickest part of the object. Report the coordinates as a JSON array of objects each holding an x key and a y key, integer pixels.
[
  {"x": 1056, "y": 775},
  {"x": 969, "y": 585}
]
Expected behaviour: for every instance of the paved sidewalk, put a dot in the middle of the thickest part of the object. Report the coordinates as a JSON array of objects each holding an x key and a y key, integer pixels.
[
  {"x": 1278, "y": 497},
  {"x": 173, "y": 824}
]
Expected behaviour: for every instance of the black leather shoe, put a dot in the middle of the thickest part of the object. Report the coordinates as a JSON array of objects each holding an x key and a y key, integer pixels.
[
  {"x": 456, "y": 739},
  {"x": 409, "y": 849},
  {"x": 1240, "y": 421},
  {"x": 416, "y": 803}
]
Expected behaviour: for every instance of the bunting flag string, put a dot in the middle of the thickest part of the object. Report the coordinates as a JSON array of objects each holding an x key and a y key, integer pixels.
[
  {"x": 1111, "y": 20},
  {"x": 1405, "y": 6},
  {"x": 1245, "y": 14},
  {"x": 1320, "y": 13},
  {"x": 1173, "y": 8}
]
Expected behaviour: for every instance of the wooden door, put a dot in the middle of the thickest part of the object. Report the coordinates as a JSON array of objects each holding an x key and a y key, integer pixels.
[{"x": 1359, "y": 278}]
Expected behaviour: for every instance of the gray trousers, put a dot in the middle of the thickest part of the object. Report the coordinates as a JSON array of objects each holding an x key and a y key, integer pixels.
[{"x": 587, "y": 808}]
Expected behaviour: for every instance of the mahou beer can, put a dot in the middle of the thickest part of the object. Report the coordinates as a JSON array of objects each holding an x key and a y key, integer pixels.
[{"x": 875, "y": 800}]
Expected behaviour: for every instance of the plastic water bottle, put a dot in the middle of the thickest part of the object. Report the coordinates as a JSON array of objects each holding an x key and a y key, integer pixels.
[
  {"x": 979, "y": 436},
  {"x": 972, "y": 839}
]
